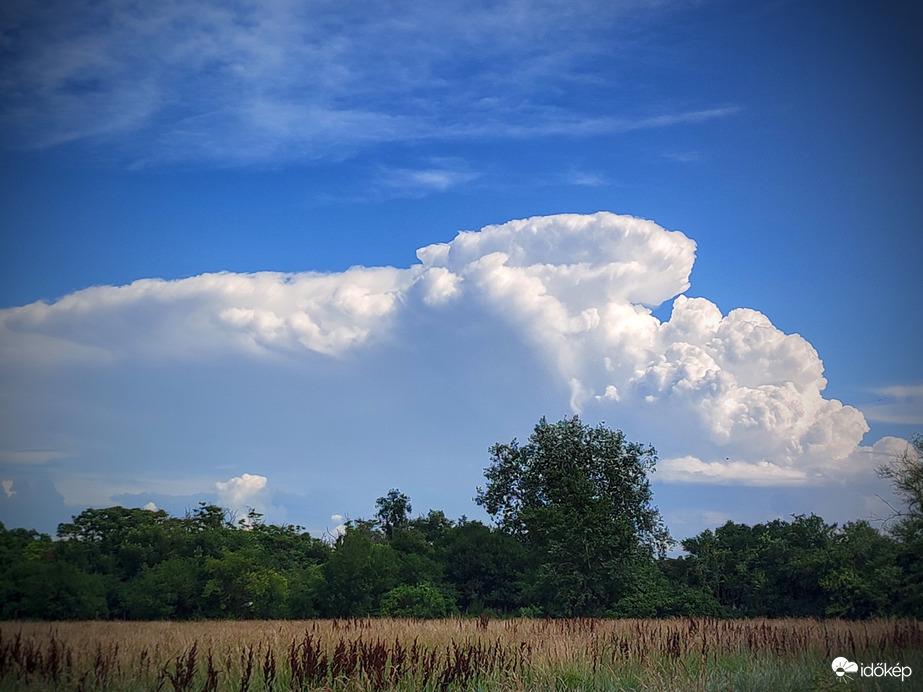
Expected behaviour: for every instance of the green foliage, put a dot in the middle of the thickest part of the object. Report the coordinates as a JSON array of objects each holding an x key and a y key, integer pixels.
[
  {"x": 654, "y": 595},
  {"x": 484, "y": 566},
  {"x": 146, "y": 565},
  {"x": 358, "y": 573},
  {"x": 766, "y": 569},
  {"x": 287, "y": 547},
  {"x": 115, "y": 540},
  {"x": 906, "y": 475},
  {"x": 416, "y": 558},
  {"x": 393, "y": 511},
  {"x": 23, "y": 544},
  {"x": 170, "y": 590},
  {"x": 306, "y": 586},
  {"x": 50, "y": 590},
  {"x": 579, "y": 499},
  {"x": 863, "y": 575},
  {"x": 576, "y": 534},
  {"x": 803, "y": 568},
  {"x": 433, "y": 526},
  {"x": 418, "y": 601}
]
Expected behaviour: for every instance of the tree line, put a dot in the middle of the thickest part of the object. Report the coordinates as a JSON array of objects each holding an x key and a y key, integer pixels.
[{"x": 574, "y": 533}]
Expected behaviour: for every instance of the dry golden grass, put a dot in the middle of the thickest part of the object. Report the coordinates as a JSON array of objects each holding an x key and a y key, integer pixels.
[{"x": 437, "y": 654}]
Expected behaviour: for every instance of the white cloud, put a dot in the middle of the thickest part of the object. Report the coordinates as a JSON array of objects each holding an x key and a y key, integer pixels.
[
  {"x": 242, "y": 491},
  {"x": 882, "y": 452},
  {"x": 586, "y": 179},
  {"x": 901, "y": 391},
  {"x": 569, "y": 281},
  {"x": 339, "y": 528},
  {"x": 414, "y": 182},
  {"x": 579, "y": 289},
  {"x": 261, "y": 312},
  {"x": 726, "y": 398},
  {"x": 761, "y": 473},
  {"x": 8, "y": 488},
  {"x": 150, "y": 507},
  {"x": 748, "y": 385}
]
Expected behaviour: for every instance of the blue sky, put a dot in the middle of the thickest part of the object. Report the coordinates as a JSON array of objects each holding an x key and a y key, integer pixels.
[{"x": 231, "y": 269}]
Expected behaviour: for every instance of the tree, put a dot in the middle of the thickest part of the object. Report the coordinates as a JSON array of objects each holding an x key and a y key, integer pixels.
[
  {"x": 359, "y": 571},
  {"x": 284, "y": 547},
  {"x": 433, "y": 526},
  {"x": 393, "y": 511},
  {"x": 774, "y": 569},
  {"x": 19, "y": 544},
  {"x": 51, "y": 590},
  {"x": 484, "y": 566},
  {"x": 171, "y": 590},
  {"x": 416, "y": 558},
  {"x": 906, "y": 474},
  {"x": 865, "y": 578},
  {"x": 240, "y": 585},
  {"x": 115, "y": 540},
  {"x": 579, "y": 499}
]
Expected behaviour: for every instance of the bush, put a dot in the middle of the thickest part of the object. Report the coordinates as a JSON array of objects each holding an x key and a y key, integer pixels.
[
  {"x": 51, "y": 591},
  {"x": 418, "y": 601}
]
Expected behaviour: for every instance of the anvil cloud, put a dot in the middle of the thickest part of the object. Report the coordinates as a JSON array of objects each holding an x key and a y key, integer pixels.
[{"x": 577, "y": 291}]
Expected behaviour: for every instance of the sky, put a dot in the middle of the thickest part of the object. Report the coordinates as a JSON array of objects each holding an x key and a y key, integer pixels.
[{"x": 288, "y": 255}]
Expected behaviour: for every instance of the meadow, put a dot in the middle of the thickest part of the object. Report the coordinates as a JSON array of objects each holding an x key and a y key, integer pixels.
[{"x": 457, "y": 654}]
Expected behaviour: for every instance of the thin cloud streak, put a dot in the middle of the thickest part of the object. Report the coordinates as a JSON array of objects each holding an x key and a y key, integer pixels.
[{"x": 903, "y": 392}]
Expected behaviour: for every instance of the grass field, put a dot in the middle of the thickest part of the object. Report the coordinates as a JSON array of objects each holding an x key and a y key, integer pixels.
[{"x": 461, "y": 654}]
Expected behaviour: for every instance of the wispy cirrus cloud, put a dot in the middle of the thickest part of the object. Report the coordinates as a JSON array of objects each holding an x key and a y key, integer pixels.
[{"x": 253, "y": 82}]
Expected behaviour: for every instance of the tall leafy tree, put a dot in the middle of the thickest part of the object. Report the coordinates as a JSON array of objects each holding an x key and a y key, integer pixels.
[
  {"x": 579, "y": 498},
  {"x": 393, "y": 511},
  {"x": 906, "y": 475},
  {"x": 905, "y": 472}
]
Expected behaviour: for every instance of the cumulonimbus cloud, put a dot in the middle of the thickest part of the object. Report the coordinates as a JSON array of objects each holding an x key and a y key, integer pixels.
[{"x": 738, "y": 399}]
